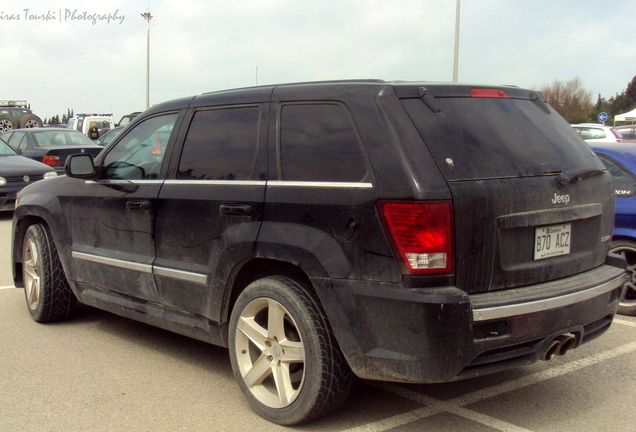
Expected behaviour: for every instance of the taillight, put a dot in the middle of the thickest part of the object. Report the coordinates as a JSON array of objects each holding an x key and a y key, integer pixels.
[
  {"x": 488, "y": 93},
  {"x": 421, "y": 234},
  {"x": 52, "y": 161}
]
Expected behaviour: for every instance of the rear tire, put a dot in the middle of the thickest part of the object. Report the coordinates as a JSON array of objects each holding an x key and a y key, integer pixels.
[
  {"x": 284, "y": 354},
  {"x": 30, "y": 121},
  {"x": 48, "y": 295},
  {"x": 627, "y": 249}
]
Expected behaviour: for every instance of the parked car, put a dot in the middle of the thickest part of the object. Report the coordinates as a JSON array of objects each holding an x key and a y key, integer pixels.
[
  {"x": 109, "y": 136},
  {"x": 592, "y": 133},
  {"x": 620, "y": 160},
  {"x": 51, "y": 146},
  {"x": 91, "y": 125},
  {"x": 412, "y": 232},
  {"x": 628, "y": 132},
  {"x": 125, "y": 119},
  {"x": 16, "y": 114},
  {"x": 16, "y": 172}
]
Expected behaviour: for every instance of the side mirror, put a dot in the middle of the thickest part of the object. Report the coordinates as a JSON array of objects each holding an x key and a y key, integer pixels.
[{"x": 80, "y": 166}]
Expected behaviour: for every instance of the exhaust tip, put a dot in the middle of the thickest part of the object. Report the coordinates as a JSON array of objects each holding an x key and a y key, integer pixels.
[
  {"x": 553, "y": 350},
  {"x": 568, "y": 343}
]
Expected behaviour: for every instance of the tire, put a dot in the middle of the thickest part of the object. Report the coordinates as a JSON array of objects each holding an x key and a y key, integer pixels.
[
  {"x": 29, "y": 121},
  {"x": 6, "y": 123},
  {"x": 48, "y": 296},
  {"x": 288, "y": 363},
  {"x": 627, "y": 249}
]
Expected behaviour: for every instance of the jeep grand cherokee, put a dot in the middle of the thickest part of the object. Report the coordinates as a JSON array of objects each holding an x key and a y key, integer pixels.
[{"x": 413, "y": 232}]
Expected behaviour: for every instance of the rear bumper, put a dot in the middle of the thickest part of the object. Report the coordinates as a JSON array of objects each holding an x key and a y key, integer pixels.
[{"x": 394, "y": 333}]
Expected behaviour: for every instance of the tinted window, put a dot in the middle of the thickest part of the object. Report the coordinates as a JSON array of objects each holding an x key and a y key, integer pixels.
[
  {"x": 480, "y": 138},
  {"x": 139, "y": 154},
  {"x": 318, "y": 142},
  {"x": 221, "y": 144},
  {"x": 624, "y": 183}
]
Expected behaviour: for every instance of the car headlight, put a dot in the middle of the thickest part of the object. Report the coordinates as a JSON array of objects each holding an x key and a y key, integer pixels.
[
  {"x": 3, "y": 181},
  {"x": 50, "y": 174}
]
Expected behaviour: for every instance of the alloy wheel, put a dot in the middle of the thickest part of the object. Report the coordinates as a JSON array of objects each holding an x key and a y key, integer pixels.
[{"x": 270, "y": 353}]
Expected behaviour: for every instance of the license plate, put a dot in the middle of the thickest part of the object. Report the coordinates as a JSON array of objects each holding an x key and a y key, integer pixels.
[{"x": 552, "y": 241}]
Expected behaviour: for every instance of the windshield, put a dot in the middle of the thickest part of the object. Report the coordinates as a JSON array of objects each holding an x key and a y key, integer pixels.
[
  {"x": 5, "y": 150},
  {"x": 482, "y": 138},
  {"x": 61, "y": 138}
]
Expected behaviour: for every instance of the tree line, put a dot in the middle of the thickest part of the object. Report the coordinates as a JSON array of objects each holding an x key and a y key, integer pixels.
[
  {"x": 56, "y": 119},
  {"x": 574, "y": 102}
]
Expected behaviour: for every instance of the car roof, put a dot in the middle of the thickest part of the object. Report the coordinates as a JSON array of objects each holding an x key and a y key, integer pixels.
[{"x": 624, "y": 152}]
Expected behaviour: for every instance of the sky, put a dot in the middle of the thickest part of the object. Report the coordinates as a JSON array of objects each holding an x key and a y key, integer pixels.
[{"x": 90, "y": 56}]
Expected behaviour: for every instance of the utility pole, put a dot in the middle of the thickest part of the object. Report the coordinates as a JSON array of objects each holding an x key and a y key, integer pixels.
[
  {"x": 456, "y": 54},
  {"x": 147, "y": 16}
]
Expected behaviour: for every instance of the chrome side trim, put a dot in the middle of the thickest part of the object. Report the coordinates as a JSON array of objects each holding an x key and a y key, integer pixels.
[
  {"x": 499, "y": 312},
  {"x": 143, "y": 268},
  {"x": 197, "y": 278},
  {"x": 351, "y": 185},
  {"x": 217, "y": 182},
  {"x": 107, "y": 182}
]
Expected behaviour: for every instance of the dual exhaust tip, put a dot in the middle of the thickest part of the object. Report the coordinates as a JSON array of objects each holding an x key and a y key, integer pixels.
[{"x": 560, "y": 345}]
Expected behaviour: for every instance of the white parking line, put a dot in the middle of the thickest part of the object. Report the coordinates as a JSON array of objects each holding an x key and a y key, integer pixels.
[
  {"x": 625, "y": 322},
  {"x": 455, "y": 406}
]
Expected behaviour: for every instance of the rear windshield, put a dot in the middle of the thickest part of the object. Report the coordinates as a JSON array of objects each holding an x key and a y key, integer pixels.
[
  {"x": 483, "y": 138},
  {"x": 61, "y": 138}
]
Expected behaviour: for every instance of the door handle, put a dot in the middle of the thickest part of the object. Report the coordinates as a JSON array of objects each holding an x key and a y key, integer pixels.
[
  {"x": 236, "y": 209},
  {"x": 138, "y": 205}
]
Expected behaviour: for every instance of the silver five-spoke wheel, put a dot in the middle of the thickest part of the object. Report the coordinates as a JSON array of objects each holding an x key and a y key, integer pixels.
[
  {"x": 270, "y": 353},
  {"x": 284, "y": 354},
  {"x": 31, "y": 266}
]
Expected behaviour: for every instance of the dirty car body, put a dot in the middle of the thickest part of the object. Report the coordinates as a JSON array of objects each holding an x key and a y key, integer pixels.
[{"x": 443, "y": 231}]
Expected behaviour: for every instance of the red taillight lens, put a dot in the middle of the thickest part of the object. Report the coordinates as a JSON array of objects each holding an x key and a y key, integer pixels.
[
  {"x": 52, "y": 161},
  {"x": 488, "y": 93},
  {"x": 421, "y": 234}
]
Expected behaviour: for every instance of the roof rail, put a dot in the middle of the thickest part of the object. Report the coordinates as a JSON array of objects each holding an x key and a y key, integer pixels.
[{"x": 93, "y": 114}]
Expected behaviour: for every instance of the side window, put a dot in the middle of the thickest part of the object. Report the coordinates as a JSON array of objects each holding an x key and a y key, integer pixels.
[
  {"x": 139, "y": 154},
  {"x": 592, "y": 133},
  {"x": 318, "y": 142},
  {"x": 18, "y": 141},
  {"x": 624, "y": 182},
  {"x": 221, "y": 144},
  {"x": 6, "y": 137}
]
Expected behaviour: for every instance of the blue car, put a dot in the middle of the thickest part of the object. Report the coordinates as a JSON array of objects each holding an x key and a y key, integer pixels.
[{"x": 620, "y": 160}]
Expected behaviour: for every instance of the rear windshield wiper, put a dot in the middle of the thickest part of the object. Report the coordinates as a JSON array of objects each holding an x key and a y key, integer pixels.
[{"x": 573, "y": 176}]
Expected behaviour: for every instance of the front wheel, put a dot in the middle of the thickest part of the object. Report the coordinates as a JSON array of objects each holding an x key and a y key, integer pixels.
[
  {"x": 627, "y": 249},
  {"x": 283, "y": 352},
  {"x": 48, "y": 295}
]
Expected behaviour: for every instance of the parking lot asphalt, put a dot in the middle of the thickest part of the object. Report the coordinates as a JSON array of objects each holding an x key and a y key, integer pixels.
[{"x": 100, "y": 372}]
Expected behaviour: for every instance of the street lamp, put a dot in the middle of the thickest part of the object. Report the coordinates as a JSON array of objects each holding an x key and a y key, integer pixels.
[
  {"x": 456, "y": 53},
  {"x": 147, "y": 16}
]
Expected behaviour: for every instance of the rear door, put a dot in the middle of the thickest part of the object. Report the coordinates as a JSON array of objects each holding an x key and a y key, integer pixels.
[
  {"x": 532, "y": 203},
  {"x": 209, "y": 214}
]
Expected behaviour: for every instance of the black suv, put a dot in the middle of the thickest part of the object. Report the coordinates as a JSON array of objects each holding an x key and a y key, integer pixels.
[
  {"x": 16, "y": 114},
  {"x": 413, "y": 232}
]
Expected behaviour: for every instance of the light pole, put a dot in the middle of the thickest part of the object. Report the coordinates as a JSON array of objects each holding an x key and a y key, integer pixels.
[
  {"x": 147, "y": 16},
  {"x": 456, "y": 54}
]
